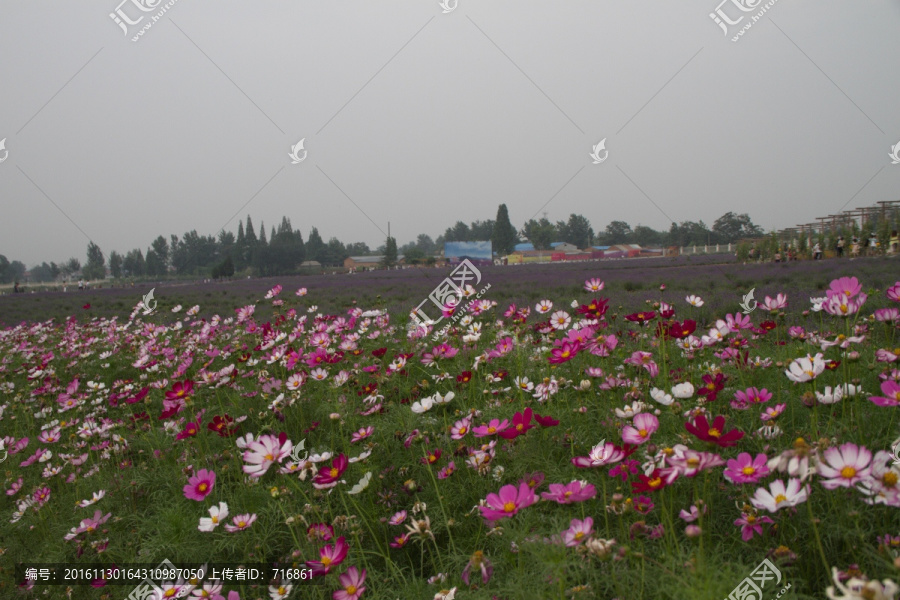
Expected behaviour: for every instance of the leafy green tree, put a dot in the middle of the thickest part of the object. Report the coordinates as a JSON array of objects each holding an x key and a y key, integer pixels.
[
  {"x": 134, "y": 263},
  {"x": 647, "y": 236},
  {"x": 504, "y": 237},
  {"x": 390, "y": 253},
  {"x": 94, "y": 269},
  {"x": 115, "y": 264},
  {"x": 41, "y": 273},
  {"x": 617, "y": 232},
  {"x": 4, "y": 268},
  {"x": 577, "y": 231},
  {"x": 458, "y": 233},
  {"x": 315, "y": 246},
  {"x": 358, "y": 249},
  {"x": 731, "y": 228},
  {"x": 540, "y": 233},
  {"x": 161, "y": 249}
]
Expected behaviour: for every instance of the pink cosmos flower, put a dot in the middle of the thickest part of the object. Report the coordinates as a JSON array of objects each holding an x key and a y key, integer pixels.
[
  {"x": 887, "y": 315},
  {"x": 775, "y": 304},
  {"x": 507, "y": 502},
  {"x": 520, "y": 424},
  {"x": 746, "y": 469},
  {"x": 845, "y": 466},
  {"x": 397, "y": 518},
  {"x": 329, "y": 557},
  {"x": 644, "y": 426},
  {"x": 564, "y": 353},
  {"x": 362, "y": 434},
  {"x": 459, "y": 429},
  {"x": 200, "y": 485},
  {"x": 578, "y": 531},
  {"x": 891, "y": 391},
  {"x": 750, "y": 524},
  {"x": 606, "y": 453},
  {"x": 492, "y": 428},
  {"x": 241, "y": 522},
  {"x": 447, "y": 471},
  {"x": 576, "y": 491},
  {"x": 893, "y": 292},
  {"x": 328, "y": 477},
  {"x": 845, "y": 286},
  {"x": 320, "y": 531},
  {"x": 594, "y": 285},
  {"x": 14, "y": 488},
  {"x": 693, "y": 515},
  {"x": 772, "y": 412},
  {"x": 351, "y": 585},
  {"x": 751, "y": 396},
  {"x": 264, "y": 452},
  {"x": 692, "y": 462}
]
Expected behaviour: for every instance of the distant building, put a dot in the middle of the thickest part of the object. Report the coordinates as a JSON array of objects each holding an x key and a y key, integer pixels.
[
  {"x": 564, "y": 247},
  {"x": 523, "y": 248},
  {"x": 368, "y": 262},
  {"x": 310, "y": 263}
]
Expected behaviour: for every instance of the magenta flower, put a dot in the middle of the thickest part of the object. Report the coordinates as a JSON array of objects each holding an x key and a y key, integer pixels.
[
  {"x": 520, "y": 424},
  {"x": 746, "y": 469},
  {"x": 644, "y": 426},
  {"x": 492, "y": 428},
  {"x": 845, "y": 286},
  {"x": 576, "y": 491},
  {"x": 578, "y": 531},
  {"x": 891, "y": 391},
  {"x": 564, "y": 353},
  {"x": 750, "y": 524},
  {"x": 329, "y": 557},
  {"x": 351, "y": 585},
  {"x": 507, "y": 502},
  {"x": 200, "y": 485}
]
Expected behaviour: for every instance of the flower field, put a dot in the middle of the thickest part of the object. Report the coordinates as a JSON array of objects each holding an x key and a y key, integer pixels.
[{"x": 648, "y": 445}]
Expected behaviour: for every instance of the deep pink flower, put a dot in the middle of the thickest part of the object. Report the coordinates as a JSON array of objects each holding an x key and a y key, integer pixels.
[
  {"x": 891, "y": 391},
  {"x": 507, "y": 502},
  {"x": 576, "y": 491},
  {"x": 328, "y": 477},
  {"x": 200, "y": 485},
  {"x": 644, "y": 426},
  {"x": 746, "y": 469},
  {"x": 351, "y": 585},
  {"x": 520, "y": 424},
  {"x": 492, "y": 428},
  {"x": 329, "y": 557}
]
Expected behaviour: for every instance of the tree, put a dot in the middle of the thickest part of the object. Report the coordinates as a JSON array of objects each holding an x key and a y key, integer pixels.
[
  {"x": 72, "y": 266},
  {"x": 504, "y": 236},
  {"x": 134, "y": 264},
  {"x": 390, "y": 253},
  {"x": 4, "y": 268},
  {"x": 115, "y": 263},
  {"x": 15, "y": 271},
  {"x": 577, "y": 231},
  {"x": 426, "y": 244},
  {"x": 458, "y": 233},
  {"x": 413, "y": 255},
  {"x": 730, "y": 228},
  {"x": 481, "y": 231},
  {"x": 617, "y": 232},
  {"x": 358, "y": 249},
  {"x": 540, "y": 233},
  {"x": 647, "y": 236},
  {"x": 41, "y": 273},
  {"x": 161, "y": 250},
  {"x": 94, "y": 269},
  {"x": 315, "y": 246}
]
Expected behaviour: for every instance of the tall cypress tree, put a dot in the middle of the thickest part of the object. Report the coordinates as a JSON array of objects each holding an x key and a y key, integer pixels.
[{"x": 504, "y": 235}]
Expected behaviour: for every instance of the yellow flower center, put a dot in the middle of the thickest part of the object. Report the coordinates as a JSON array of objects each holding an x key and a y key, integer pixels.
[
  {"x": 325, "y": 561},
  {"x": 642, "y": 433},
  {"x": 567, "y": 494},
  {"x": 655, "y": 482},
  {"x": 462, "y": 430},
  {"x": 748, "y": 470},
  {"x": 269, "y": 457},
  {"x": 350, "y": 589},
  {"x": 509, "y": 507},
  {"x": 848, "y": 472},
  {"x": 242, "y": 523},
  {"x": 713, "y": 432},
  {"x": 202, "y": 487},
  {"x": 780, "y": 498},
  {"x": 889, "y": 479},
  {"x": 215, "y": 519},
  {"x": 751, "y": 519},
  {"x": 693, "y": 461},
  {"x": 333, "y": 472},
  {"x": 492, "y": 429},
  {"x": 579, "y": 535}
]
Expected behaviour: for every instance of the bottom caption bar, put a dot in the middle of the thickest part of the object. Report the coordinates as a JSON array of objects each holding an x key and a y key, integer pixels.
[{"x": 163, "y": 577}]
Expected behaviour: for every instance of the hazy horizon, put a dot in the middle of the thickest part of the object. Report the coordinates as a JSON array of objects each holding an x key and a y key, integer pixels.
[{"x": 423, "y": 118}]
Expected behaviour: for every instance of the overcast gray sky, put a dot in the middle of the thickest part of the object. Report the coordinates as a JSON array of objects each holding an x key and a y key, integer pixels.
[{"x": 422, "y": 118}]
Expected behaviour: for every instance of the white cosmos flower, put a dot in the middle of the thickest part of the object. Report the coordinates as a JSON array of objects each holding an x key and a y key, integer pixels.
[
  {"x": 363, "y": 483},
  {"x": 661, "y": 397},
  {"x": 683, "y": 390},
  {"x": 830, "y": 396},
  {"x": 423, "y": 406}
]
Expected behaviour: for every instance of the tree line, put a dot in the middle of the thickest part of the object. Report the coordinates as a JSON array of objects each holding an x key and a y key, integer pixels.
[{"x": 284, "y": 249}]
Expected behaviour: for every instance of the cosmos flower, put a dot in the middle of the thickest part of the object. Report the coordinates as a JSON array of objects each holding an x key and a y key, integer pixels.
[
  {"x": 200, "y": 485},
  {"x": 779, "y": 495}
]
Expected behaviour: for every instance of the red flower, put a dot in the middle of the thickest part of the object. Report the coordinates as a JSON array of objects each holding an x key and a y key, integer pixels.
[
  {"x": 379, "y": 352},
  {"x": 595, "y": 309},
  {"x": 464, "y": 377},
  {"x": 682, "y": 330},
  {"x": 547, "y": 421},
  {"x": 139, "y": 396},
  {"x": 641, "y": 317},
  {"x": 712, "y": 386},
  {"x": 220, "y": 425},
  {"x": 653, "y": 483},
  {"x": 768, "y": 325},
  {"x": 181, "y": 389},
  {"x": 715, "y": 434},
  {"x": 87, "y": 306},
  {"x": 432, "y": 458},
  {"x": 329, "y": 476},
  {"x": 520, "y": 424},
  {"x": 190, "y": 429}
]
